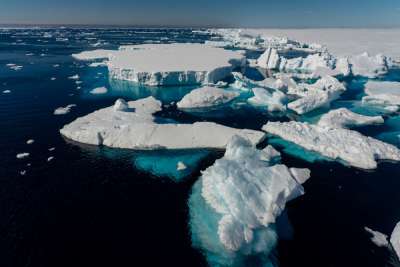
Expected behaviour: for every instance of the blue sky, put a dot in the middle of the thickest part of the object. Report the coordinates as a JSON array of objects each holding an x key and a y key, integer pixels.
[{"x": 255, "y": 13}]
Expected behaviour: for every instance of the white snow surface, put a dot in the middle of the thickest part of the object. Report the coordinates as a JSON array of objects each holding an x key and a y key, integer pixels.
[
  {"x": 342, "y": 42},
  {"x": 344, "y": 118},
  {"x": 206, "y": 97},
  {"x": 248, "y": 193},
  {"x": 136, "y": 129},
  {"x": 169, "y": 64},
  {"x": 344, "y": 145}
]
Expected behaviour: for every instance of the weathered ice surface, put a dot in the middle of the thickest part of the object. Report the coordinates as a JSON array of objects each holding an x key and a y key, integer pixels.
[
  {"x": 343, "y": 145},
  {"x": 235, "y": 203},
  {"x": 206, "y": 97},
  {"x": 344, "y": 118},
  {"x": 169, "y": 64},
  {"x": 135, "y": 129}
]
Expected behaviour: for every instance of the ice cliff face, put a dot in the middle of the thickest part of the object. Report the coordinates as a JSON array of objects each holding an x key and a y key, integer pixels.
[
  {"x": 235, "y": 204},
  {"x": 135, "y": 128},
  {"x": 344, "y": 145}
]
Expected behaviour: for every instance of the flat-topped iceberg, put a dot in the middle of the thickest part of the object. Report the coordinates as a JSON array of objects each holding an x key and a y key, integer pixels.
[
  {"x": 344, "y": 118},
  {"x": 169, "y": 64},
  {"x": 317, "y": 95},
  {"x": 235, "y": 204},
  {"x": 206, "y": 97},
  {"x": 347, "y": 146},
  {"x": 135, "y": 128},
  {"x": 383, "y": 93}
]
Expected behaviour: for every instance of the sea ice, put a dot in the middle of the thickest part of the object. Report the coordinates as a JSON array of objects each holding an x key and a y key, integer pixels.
[
  {"x": 395, "y": 239},
  {"x": 382, "y": 93},
  {"x": 269, "y": 59},
  {"x": 64, "y": 110},
  {"x": 169, "y": 64},
  {"x": 136, "y": 129},
  {"x": 30, "y": 141},
  {"x": 235, "y": 203},
  {"x": 344, "y": 118},
  {"x": 206, "y": 97},
  {"x": 99, "y": 91},
  {"x": 6, "y": 91},
  {"x": 347, "y": 146},
  {"x": 274, "y": 101},
  {"x": 369, "y": 66}
]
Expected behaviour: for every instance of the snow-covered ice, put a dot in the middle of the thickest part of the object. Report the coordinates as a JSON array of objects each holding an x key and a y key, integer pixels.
[
  {"x": 395, "y": 239},
  {"x": 235, "y": 203},
  {"x": 63, "y": 110},
  {"x": 206, "y": 97},
  {"x": 344, "y": 118},
  {"x": 136, "y": 129},
  {"x": 99, "y": 90},
  {"x": 169, "y": 64},
  {"x": 347, "y": 146}
]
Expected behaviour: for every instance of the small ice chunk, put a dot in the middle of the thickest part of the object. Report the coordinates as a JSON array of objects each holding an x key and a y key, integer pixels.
[
  {"x": 52, "y": 149},
  {"x": 99, "y": 90},
  {"x": 22, "y": 155},
  {"x": 121, "y": 105},
  {"x": 271, "y": 153},
  {"x": 379, "y": 239},
  {"x": 53, "y": 78},
  {"x": 30, "y": 141},
  {"x": 344, "y": 118},
  {"x": 6, "y": 91},
  {"x": 181, "y": 166},
  {"x": 63, "y": 110},
  {"x": 206, "y": 97},
  {"x": 274, "y": 101},
  {"x": 50, "y": 159},
  {"x": 23, "y": 172},
  {"x": 74, "y": 77}
]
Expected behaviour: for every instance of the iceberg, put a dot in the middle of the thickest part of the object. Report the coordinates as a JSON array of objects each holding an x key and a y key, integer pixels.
[
  {"x": 344, "y": 118},
  {"x": 235, "y": 204},
  {"x": 395, "y": 239},
  {"x": 274, "y": 101},
  {"x": 346, "y": 146},
  {"x": 169, "y": 64},
  {"x": 369, "y": 66},
  {"x": 136, "y": 129},
  {"x": 317, "y": 95},
  {"x": 206, "y": 97}
]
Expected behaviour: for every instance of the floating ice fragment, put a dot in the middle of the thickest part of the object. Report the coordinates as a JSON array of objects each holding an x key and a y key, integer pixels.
[
  {"x": 50, "y": 159},
  {"x": 378, "y": 238},
  {"x": 181, "y": 166},
  {"x": 63, "y": 110},
  {"x": 22, "y": 155},
  {"x": 274, "y": 101},
  {"x": 30, "y": 141},
  {"x": 99, "y": 91},
  {"x": 206, "y": 97},
  {"x": 6, "y": 91},
  {"x": 74, "y": 77},
  {"x": 344, "y": 118}
]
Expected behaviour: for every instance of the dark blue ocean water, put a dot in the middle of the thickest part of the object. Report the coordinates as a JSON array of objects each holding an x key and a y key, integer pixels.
[{"x": 90, "y": 206}]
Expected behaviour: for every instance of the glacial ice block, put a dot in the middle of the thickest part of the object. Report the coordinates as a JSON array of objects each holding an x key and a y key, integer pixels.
[
  {"x": 136, "y": 129},
  {"x": 235, "y": 203},
  {"x": 347, "y": 146},
  {"x": 313, "y": 96},
  {"x": 170, "y": 64},
  {"x": 206, "y": 97},
  {"x": 344, "y": 118}
]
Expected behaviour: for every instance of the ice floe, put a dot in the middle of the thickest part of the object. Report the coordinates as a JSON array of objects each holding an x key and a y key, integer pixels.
[
  {"x": 347, "y": 146},
  {"x": 369, "y": 66},
  {"x": 63, "y": 110},
  {"x": 317, "y": 95},
  {"x": 344, "y": 118},
  {"x": 235, "y": 204},
  {"x": 22, "y": 155},
  {"x": 99, "y": 90},
  {"x": 274, "y": 101},
  {"x": 206, "y": 97},
  {"x": 136, "y": 129},
  {"x": 382, "y": 93},
  {"x": 169, "y": 64}
]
